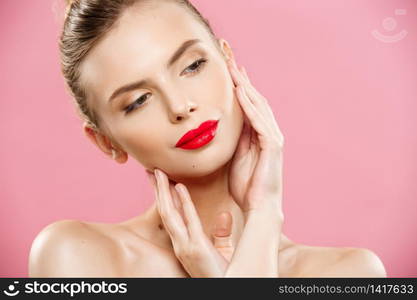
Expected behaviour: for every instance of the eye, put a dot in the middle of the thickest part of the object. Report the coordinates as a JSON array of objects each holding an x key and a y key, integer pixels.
[
  {"x": 135, "y": 104},
  {"x": 196, "y": 66}
]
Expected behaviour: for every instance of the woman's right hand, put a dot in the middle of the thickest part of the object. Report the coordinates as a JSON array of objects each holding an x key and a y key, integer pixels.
[
  {"x": 200, "y": 256},
  {"x": 255, "y": 176}
]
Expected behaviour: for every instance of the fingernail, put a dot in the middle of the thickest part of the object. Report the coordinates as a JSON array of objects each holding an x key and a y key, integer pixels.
[
  {"x": 157, "y": 173},
  {"x": 231, "y": 63},
  {"x": 221, "y": 230},
  {"x": 178, "y": 188}
]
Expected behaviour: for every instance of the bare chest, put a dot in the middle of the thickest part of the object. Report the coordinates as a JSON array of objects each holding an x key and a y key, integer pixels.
[{"x": 149, "y": 262}]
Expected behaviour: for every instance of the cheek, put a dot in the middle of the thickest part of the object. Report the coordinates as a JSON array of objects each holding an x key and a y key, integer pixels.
[
  {"x": 142, "y": 142},
  {"x": 223, "y": 95},
  {"x": 220, "y": 94},
  {"x": 216, "y": 88}
]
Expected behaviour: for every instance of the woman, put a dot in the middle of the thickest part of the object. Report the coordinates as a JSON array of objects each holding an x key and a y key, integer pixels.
[{"x": 152, "y": 81}]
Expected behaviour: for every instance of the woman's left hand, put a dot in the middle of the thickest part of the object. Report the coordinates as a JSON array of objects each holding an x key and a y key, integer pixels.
[
  {"x": 199, "y": 256},
  {"x": 255, "y": 175}
]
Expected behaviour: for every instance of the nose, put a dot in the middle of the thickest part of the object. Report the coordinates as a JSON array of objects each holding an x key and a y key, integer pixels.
[
  {"x": 179, "y": 107},
  {"x": 183, "y": 112}
]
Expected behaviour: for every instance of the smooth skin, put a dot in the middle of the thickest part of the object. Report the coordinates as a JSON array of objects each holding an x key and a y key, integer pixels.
[{"x": 218, "y": 210}]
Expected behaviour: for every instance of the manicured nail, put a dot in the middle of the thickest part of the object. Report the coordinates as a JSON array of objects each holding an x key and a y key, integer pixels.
[{"x": 178, "y": 188}]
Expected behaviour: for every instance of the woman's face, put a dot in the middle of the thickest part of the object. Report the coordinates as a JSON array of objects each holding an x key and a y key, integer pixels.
[{"x": 147, "y": 121}]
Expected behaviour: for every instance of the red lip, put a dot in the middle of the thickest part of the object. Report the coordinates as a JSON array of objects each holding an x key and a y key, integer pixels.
[{"x": 190, "y": 135}]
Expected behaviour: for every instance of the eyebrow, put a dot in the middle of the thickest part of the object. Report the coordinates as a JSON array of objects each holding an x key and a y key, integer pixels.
[{"x": 138, "y": 84}]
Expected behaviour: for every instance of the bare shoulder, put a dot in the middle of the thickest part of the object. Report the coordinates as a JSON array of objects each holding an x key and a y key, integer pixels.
[
  {"x": 342, "y": 262},
  {"x": 71, "y": 248},
  {"x": 360, "y": 262}
]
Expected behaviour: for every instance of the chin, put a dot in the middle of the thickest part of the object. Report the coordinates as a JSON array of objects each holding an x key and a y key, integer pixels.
[{"x": 200, "y": 164}]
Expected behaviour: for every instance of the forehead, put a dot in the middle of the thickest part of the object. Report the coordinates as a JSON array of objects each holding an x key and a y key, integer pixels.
[{"x": 142, "y": 40}]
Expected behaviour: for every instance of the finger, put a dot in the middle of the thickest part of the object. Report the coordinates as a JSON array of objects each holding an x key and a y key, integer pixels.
[
  {"x": 229, "y": 64},
  {"x": 244, "y": 75},
  {"x": 222, "y": 235},
  {"x": 195, "y": 229},
  {"x": 254, "y": 97},
  {"x": 255, "y": 118},
  {"x": 253, "y": 92},
  {"x": 239, "y": 74},
  {"x": 237, "y": 77},
  {"x": 152, "y": 179},
  {"x": 243, "y": 70},
  {"x": 250, "y": 89},
  {"x": 177, "y": 201},
  {"x": 234, "y": 66},
  {"x": 241, "y": 77},
  {"x": 169, "y": 215},
  {"x": 223, "y": 224},
  {"x": 244, "y": 139}
]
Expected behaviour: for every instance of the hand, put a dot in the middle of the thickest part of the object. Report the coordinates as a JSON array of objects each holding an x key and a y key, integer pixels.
[
  {"x": 255, "y": 177},
  {"x": 199, "y": 256}
]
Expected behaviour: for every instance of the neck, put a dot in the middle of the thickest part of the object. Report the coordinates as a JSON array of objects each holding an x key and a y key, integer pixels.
[{"x": 210, "y": 195}]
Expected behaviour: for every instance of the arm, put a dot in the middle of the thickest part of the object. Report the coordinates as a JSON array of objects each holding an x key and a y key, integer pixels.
[{"x": 256, "y": 254}]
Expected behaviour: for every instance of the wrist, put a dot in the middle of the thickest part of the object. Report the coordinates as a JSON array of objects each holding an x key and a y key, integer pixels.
[
  {"x": 268, "y": 212},
  {"x": 269, "y": 217}
]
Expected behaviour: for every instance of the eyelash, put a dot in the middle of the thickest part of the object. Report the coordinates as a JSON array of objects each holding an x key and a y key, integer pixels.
[{"x": 198, "y": 66}]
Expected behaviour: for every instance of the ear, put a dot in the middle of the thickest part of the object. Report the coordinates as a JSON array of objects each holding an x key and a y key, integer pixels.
[
  {"x": 104, "y": 143},
  {"x": 226, "y": 49}
]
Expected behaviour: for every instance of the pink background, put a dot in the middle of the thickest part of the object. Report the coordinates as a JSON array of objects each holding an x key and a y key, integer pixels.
[{"x": 345, "y": 101}]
